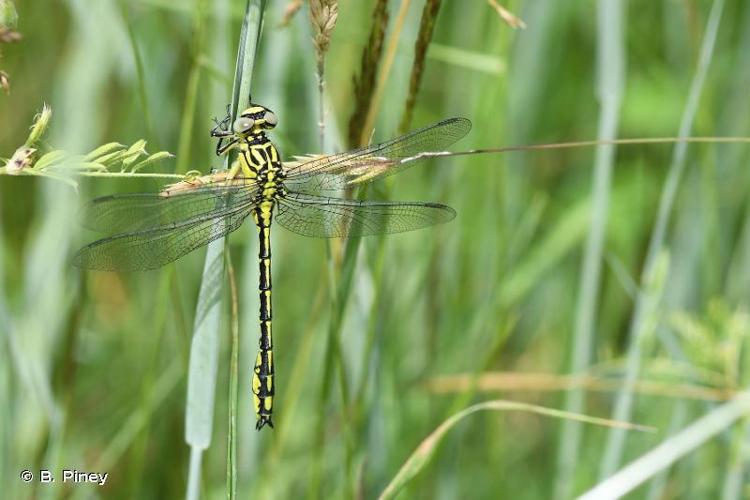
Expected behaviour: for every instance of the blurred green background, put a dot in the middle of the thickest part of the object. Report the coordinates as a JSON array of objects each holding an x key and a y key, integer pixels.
[{"x": 497, "y": 304}]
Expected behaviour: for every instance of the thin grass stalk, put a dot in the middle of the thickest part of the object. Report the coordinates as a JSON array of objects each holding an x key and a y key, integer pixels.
[
  {"x": 138, "y": 420},
  {"x": 671, "y": 450},
  {"x": 426, "y": 450},
  {"x": 376, "y": 314},
  {"x": 611, "y": 75},
  {"x": 658, "y": 487},
  {"x": 385, "y": 71},
  {"x": 233, "y": 381},
  {"x": 47, "y": 282},
  {"x": 193, "y": 84},
  {"x": 735, "y": 478},
  {"x": 738, "y": 271},
  {"x": 489, "y": 381},
  {"x": 204, "y": 348},
  {"x": 374, "y": 325},
  {"x": 294, "y": 388},
  {"x": 426, "y": 28},
  {"x": 364, "y": 83},
  {"x": 140, "y": 446},
  {"x": 6, "y": 459},
  {"x": 340, "y": 286},
  {"x": 624, "y": 404},
  {"x": 141, "y": 73}
]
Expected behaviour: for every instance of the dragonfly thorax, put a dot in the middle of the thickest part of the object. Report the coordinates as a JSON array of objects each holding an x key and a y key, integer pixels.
[{"x": 260, "y": 159}]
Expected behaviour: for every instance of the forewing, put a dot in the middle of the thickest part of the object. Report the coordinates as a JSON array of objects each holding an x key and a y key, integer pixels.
[
  {"x": 325, "y": 217},
  {"x": 333, "y": 172},
  {"x": 152, "y": 248},
  {"x": 140, "y": 211}
]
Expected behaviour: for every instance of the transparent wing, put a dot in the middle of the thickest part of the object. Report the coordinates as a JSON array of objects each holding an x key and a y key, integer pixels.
[
  {"x": 332, "y": 172},
  {"x": 324, "y": 217},
  {"x": 152, "y": 248},
  {"x": 139, "y": 211}
]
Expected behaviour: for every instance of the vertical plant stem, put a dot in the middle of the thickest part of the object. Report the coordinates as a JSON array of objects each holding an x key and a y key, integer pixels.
[
  {"x": 624, "y": 403},
  {"x": 426, "y": 28},
  {"x": 339, "y": 286},
  {"x": 191, "y": 92},
  {"x": 204, "y": 348},
  {"x": 610, "y": 75},
  {"x": 233, "y": 382},
  {"x": 671, "y": 450},
  {"x": 142, "y": 94},
  {"x": 363, "y": 90},
  {"x": 364, "y": 83},
  {"x": 390, "y": 55},
  {"x": 321, "y": 106}
]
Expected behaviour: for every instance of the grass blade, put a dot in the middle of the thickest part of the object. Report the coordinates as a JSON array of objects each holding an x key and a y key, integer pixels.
[
  {"x": 611, "y": 74},
  {"x": 671, "y": 450},
  {"x": 233, "y": 383},
  {"x": 427, "y": 448},
  {"x": 204, "y": 353},
  {"x": 624, "y": 404}
]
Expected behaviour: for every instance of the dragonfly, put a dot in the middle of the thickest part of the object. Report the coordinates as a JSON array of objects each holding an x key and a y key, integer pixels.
[{"x": 306, "y": 196}]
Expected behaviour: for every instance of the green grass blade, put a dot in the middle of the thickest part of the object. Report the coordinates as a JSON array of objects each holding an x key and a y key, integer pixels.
[
  {"x": 611, "y": 73},
  {"x": 203, "y": 360},
  {"x": 233, "y": 383},
  {"x": 624, "y": 403},
  {"x": 671, "y": 450},
  {"x": 428, "y": 447}
]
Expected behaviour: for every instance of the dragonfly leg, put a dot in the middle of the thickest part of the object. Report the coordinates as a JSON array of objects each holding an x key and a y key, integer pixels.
[
  {"x": 222, "y": 127},
  {"x": 222, "y": 148}
]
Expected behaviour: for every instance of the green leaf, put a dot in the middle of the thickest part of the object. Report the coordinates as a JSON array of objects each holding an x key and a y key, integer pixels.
[{"x": 103, "y": 150}]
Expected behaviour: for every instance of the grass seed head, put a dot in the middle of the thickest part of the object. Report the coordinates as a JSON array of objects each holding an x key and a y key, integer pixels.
[
  {"x": 41, "y": 123},
  {"x": 323, "y": 14}
]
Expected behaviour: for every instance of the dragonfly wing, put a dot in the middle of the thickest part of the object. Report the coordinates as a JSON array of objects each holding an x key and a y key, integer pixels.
[
  {"x": 333, "y": 172},
  {"x": 157, "y": 246},
  {"x": 140, "y": 211},
  {"x": 325, "y": 217}
]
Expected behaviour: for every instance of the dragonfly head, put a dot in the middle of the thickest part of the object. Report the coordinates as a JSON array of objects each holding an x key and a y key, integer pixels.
[{"x": 254, "y": 121}]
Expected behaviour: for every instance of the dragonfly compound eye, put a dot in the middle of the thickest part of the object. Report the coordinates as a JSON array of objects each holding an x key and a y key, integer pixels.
[
  {"x": 243, "y": 124},
  {"x": 271, "y": 119}
]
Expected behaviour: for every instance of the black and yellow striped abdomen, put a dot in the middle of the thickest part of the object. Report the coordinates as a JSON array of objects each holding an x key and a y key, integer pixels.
[
  {"x": 263, "y": 387},
  {"x": 259, "y": 160}
]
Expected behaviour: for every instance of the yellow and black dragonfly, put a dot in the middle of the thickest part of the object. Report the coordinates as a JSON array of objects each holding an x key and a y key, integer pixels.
[{"x": 149, "y": 230}]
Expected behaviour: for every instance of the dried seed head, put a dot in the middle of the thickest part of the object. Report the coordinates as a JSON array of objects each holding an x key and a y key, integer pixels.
[{"x": 323, "y": 14}]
